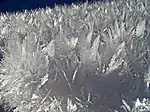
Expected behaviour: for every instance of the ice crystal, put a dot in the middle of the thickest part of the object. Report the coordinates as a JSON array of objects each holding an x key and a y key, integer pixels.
[{"x": 84, "y": 58}]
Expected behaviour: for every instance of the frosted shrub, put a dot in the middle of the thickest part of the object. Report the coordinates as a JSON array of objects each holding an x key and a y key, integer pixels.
[{"x": 82, "y": 58}]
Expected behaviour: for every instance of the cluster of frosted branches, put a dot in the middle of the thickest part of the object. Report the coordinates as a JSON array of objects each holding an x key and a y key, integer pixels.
[{"x": 79, "y": 58}]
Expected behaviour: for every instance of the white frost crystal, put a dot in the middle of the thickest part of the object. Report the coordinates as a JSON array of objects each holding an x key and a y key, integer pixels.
[
  {"x": 98, "y": 53},
  {"x": 71, "y": 107}
]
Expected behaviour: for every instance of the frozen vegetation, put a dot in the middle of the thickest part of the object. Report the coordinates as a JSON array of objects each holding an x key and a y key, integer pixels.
[{"x": 78, "y": 58}]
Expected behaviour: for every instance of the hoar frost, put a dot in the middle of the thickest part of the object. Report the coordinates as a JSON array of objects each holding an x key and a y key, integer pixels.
[{"x": 82, "y": 58}]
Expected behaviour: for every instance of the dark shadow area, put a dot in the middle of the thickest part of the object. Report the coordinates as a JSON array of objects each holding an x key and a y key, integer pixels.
[
  {"x": 1, "y": 56},
  {"x": 7, "y": 109},
  {"x": 3, "y": 110}
]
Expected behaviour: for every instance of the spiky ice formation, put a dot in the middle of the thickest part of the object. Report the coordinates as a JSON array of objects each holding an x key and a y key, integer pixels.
[{"x": 78, "y": 58}]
